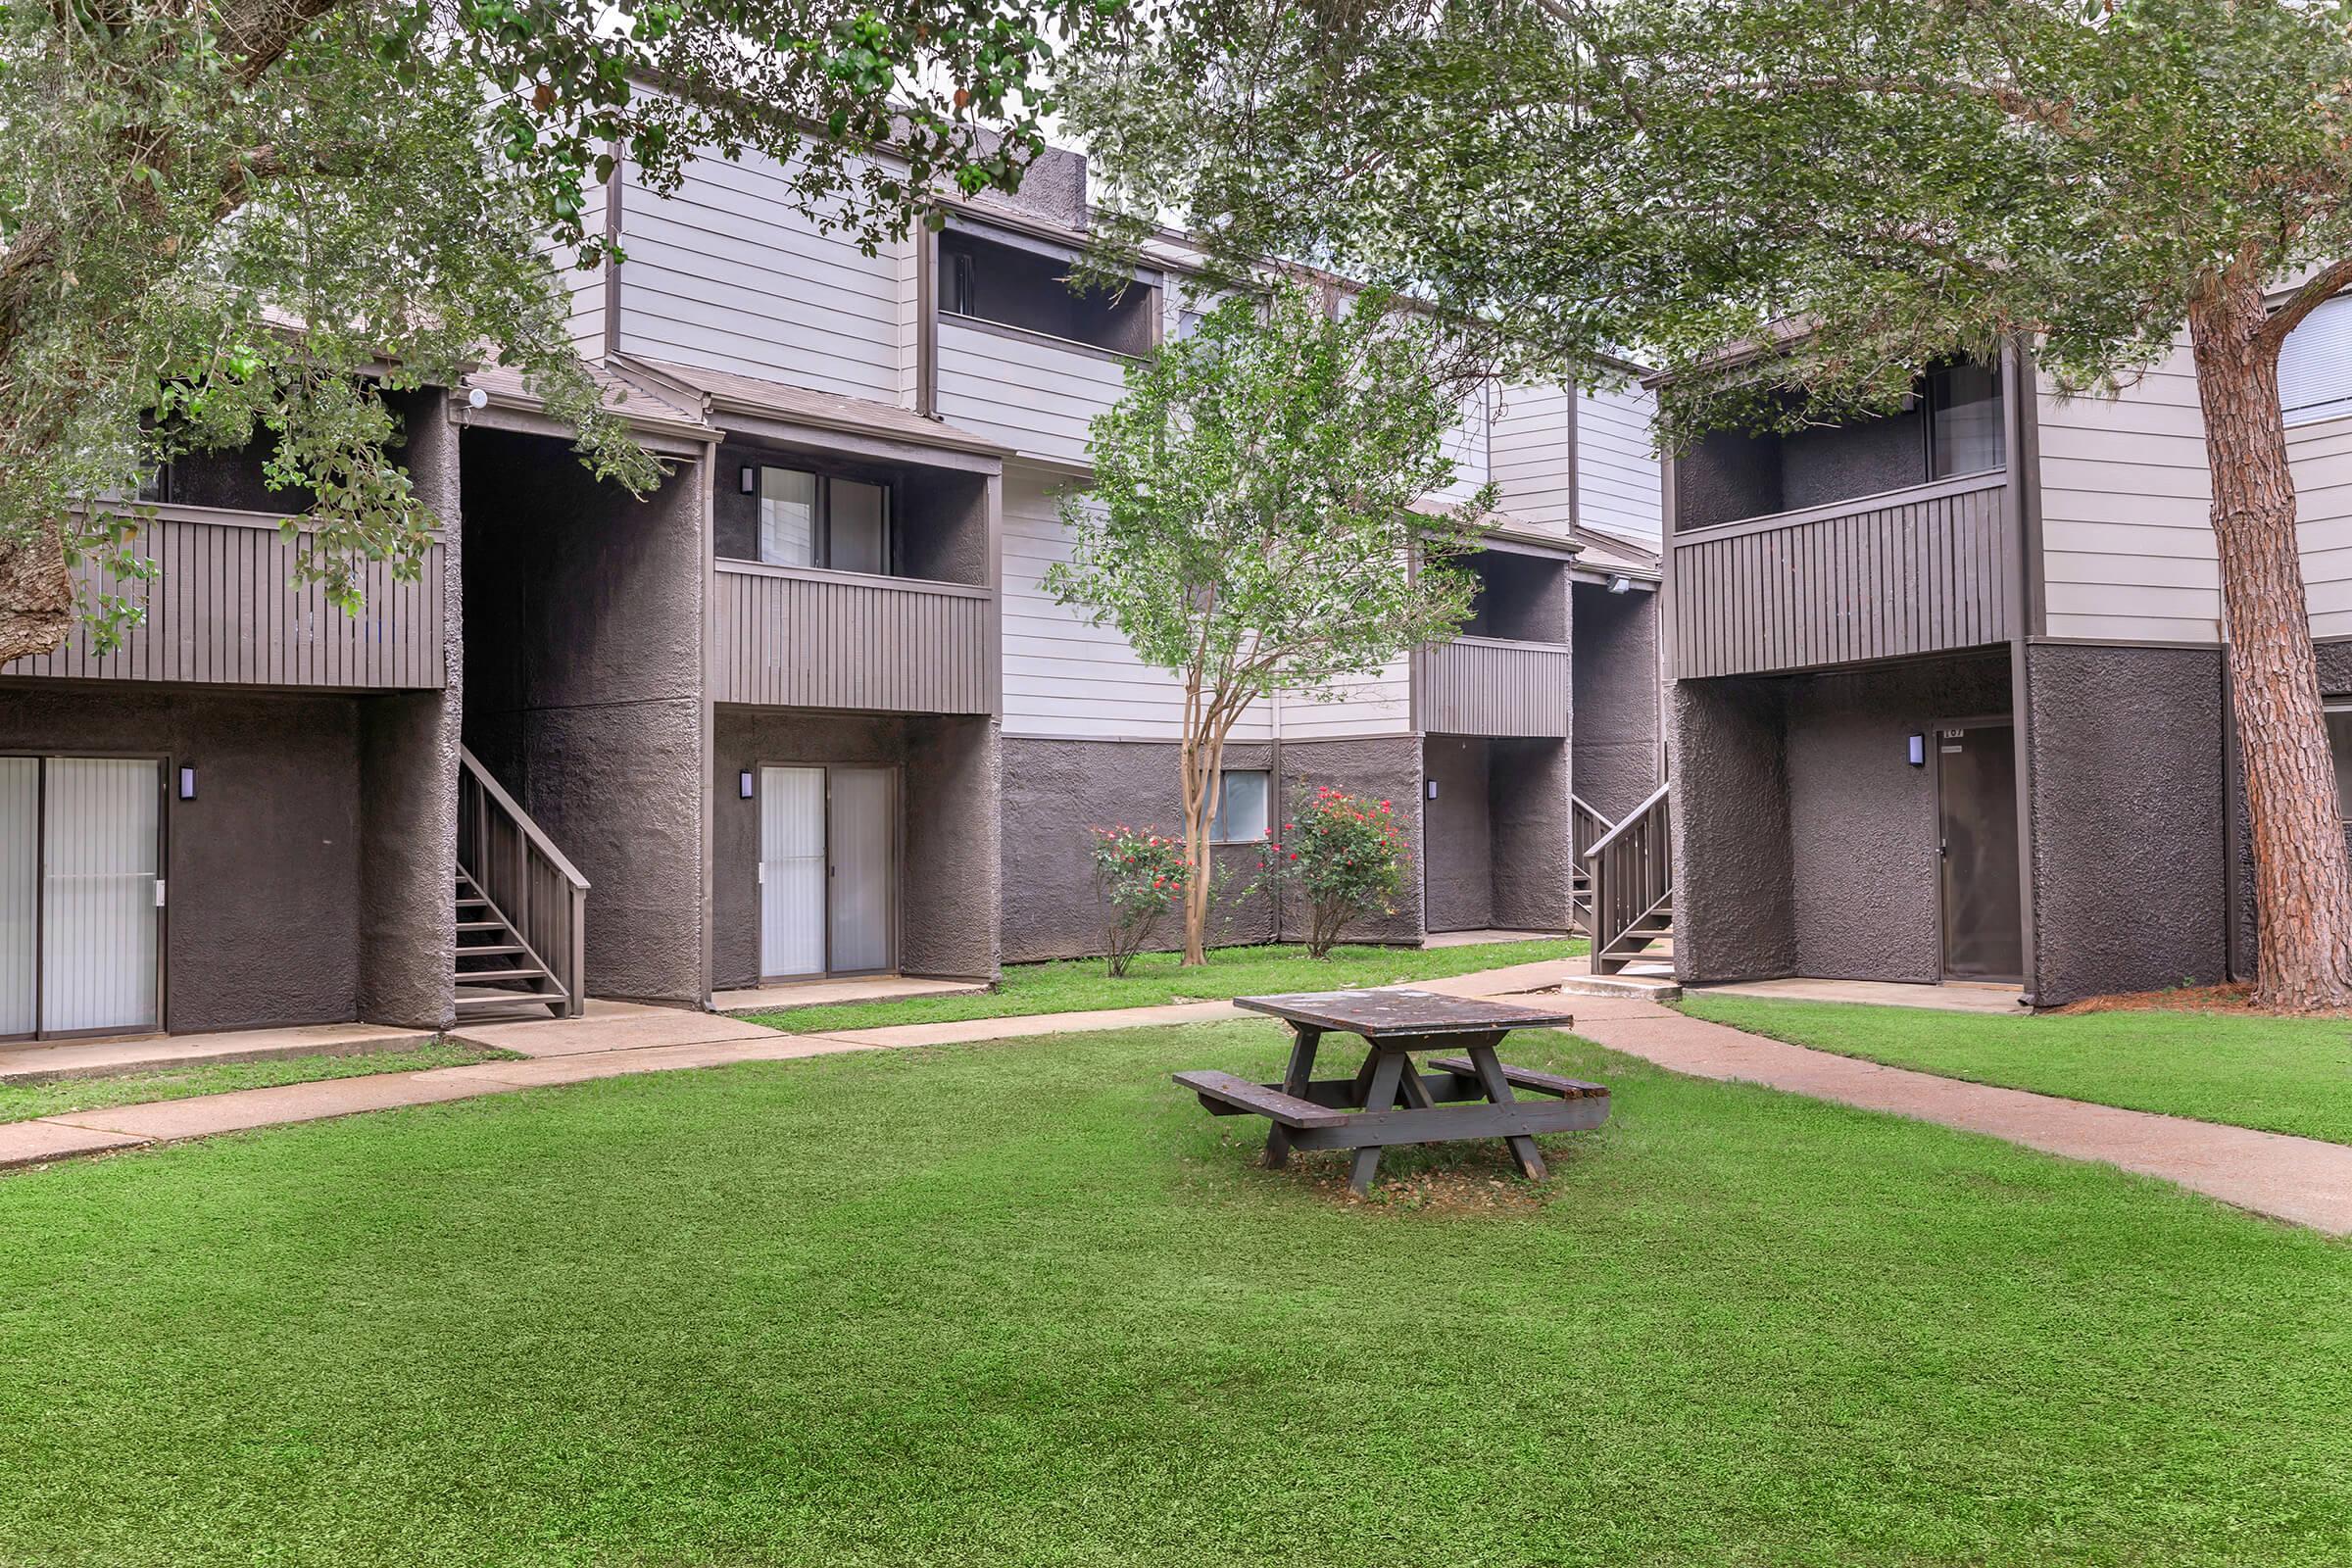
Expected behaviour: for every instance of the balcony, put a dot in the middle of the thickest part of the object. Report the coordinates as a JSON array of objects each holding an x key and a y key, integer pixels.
[
  {"x": 1917, "y": 570},
  {"x": 792, "y": 637},
  {"x": 1034, "y": 393},
  {"x": 225, "y": 609},
  {"x": 1493, "y": 686}
]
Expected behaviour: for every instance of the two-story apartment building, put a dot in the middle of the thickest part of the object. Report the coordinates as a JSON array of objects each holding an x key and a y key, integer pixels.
[
  {"x": 1948, "y": 692},
  {"x": 804, "y": 710}
]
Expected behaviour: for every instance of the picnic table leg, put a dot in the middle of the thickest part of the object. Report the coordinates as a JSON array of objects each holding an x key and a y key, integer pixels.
[
  {"x": 1386, "y": 1070},
  {"x": 1295, "y": 1080},
  {"x": 1498, "y": 1090}
]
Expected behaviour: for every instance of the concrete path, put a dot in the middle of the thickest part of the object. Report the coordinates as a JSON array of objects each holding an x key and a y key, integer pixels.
[
  {"x": 1953, "y": 996},
  {"x": 2301, "y": 1180},
  {"x": 95, "y": 1058}
]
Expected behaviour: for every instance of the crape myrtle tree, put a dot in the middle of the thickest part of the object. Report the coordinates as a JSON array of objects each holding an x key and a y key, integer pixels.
[
  {"x": 1251, "y": 522},
  {"x": 223, "y": 220},
  {"x": 1864, "y": 185}
]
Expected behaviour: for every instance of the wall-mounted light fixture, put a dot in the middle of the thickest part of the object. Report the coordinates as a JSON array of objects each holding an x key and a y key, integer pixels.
[
  {"x": 1432, "y": 789},
  {"x": 749, "y": 480},
  {"x": 742, "y": 782},
  {"x": 478, "y": 399},
  {"x": 187, "y": 783},
  {"x": 1918, "y": 751},
  {"x": 1621, "y": 585}
]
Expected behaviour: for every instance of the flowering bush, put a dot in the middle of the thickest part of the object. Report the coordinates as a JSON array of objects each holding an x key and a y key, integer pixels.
[
  {"x": 1345, "y": 856},
  {"x": 1141, "y": 875}
]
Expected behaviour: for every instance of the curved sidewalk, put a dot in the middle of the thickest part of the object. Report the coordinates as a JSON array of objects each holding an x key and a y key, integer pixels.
[{"x": 2300, "y": 1180}]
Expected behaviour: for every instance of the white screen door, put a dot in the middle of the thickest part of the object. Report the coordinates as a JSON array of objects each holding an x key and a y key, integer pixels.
[
  {"x": 861, "y": 817},
  {"x": 97, "y": 909},
  {"x": 20, "y": 893},
  {"x": 792, "y": 872}
]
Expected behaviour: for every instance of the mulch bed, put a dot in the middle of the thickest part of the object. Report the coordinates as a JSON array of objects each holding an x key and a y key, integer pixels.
[{"x": 2238, "y": 998}]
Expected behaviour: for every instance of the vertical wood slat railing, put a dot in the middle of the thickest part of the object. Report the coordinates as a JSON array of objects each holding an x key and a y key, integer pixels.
[
  {"x": 1632, "y": 883},
  {"x": 539, "y": 892},
  {"x": 1585, "y": 828}
]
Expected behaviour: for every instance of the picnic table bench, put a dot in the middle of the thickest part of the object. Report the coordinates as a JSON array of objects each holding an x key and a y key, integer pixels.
[{"x": 1390, "y": 1100}]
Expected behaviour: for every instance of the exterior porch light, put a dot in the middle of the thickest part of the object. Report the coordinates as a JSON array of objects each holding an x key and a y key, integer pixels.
[
  {"x": 1621, "y": 585},
  {"x": 743, "y": 783},
  {"x": 1918, "y": 751},
  {"x": 187, "y": 783},
  {"x": 747, "y": 480}
]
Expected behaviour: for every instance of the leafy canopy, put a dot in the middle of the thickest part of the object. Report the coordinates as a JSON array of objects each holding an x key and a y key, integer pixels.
[
  {"x": 1253, "y": 507},
  {"x": 1908, "y": 179},
  {"x": 229, "y": 219}
]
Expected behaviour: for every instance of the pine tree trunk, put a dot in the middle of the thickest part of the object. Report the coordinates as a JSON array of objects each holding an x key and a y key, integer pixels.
[
  {"x": 2302, "y": 889},
  {"x": 36, "y": 594}
]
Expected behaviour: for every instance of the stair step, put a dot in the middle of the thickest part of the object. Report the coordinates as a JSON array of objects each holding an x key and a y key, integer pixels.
[
  {"x": 464, "y": 926},
  {"x": 500, "y": 977},
  {"x": 490, "y": 949}
]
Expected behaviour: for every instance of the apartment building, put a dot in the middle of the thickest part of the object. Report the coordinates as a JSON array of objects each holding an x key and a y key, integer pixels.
[
  {"x": 1948, "y": 692},
  {"x": 804, "y": 711}
]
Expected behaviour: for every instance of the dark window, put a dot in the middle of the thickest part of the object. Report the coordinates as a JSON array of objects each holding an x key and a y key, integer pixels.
[
  {"x": 1964, "y": 420},
  {"x": 816, "y": 519},
  {"x": 2340, "y": 742},
  {"x": 1014, "y": 287}
]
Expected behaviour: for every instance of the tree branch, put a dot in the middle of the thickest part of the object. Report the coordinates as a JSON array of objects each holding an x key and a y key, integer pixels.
[{"x": 2323, "y": 285}]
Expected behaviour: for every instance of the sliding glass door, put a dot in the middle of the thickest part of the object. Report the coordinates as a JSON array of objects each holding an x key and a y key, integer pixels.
[
  {"x": 79, "y": 876},
  {"x": 827, "y": 870}
]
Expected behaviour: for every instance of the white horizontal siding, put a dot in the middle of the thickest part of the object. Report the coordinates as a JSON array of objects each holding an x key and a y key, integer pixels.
[
  {"x": 1529, "y": 450},
  {"x": 584, "y": 316},
  {"x": 1063, "y": 678},
  {"x": 730, "y": 275},
  {"x": 1372, "y": 705},
  {"x": 1035, "y": 396},
  {"x": 1467, "y": 447},
  {"x": 1617, "y": 475},
  {"x": 2126, "y": 507}
]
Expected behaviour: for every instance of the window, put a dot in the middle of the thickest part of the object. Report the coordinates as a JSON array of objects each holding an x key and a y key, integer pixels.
[
  {"x": 1242, "y": 817},
  {"x": 1011, "y": 285},
  {"x": 1964, "y": 420},
  {"x": 2340, "y": 742},
  {"x": 2315, "y": 364},
  {"x": 812, "y": 519}
]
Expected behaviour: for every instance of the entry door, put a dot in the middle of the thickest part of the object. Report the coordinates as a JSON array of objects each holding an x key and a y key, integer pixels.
[
  {"x": 1975, "y": 776},
  {"x": 78, "y": 895},
  {"x": 826, "y": 870}
]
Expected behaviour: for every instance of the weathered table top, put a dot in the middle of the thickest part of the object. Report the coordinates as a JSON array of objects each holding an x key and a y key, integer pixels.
[{"x": 1379, "y": 1015}]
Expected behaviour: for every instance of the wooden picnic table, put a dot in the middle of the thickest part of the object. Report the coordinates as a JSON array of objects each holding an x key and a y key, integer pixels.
[{"x": 1391, "y": 1101}]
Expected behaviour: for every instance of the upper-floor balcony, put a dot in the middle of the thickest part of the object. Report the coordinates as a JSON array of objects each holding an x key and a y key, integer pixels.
[
  {"x": 1836, "y": 545},
  {"x": 853, "y": 585},
  {"x": 224, "y": 607},
  {"x": 1508, "y": 672}
]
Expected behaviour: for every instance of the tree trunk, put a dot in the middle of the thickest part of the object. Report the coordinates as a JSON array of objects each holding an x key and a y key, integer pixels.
[
  {"x": 2302, "y": 889},
  {"x": 1203, "y": 766},
  {"x": 36, "y": 594}
]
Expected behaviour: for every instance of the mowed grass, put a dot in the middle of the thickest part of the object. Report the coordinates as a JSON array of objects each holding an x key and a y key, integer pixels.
[
  {"x": 1081, "y": 985},
  {"x": 25, "y": 1101},
  {"x": 1025, "y": 1303},
  {"x": 2286, "y": 1075}
]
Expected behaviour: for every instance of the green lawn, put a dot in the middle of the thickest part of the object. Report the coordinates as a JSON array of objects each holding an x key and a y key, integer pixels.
[
  {"x": 1048, "y": 1312},
  {"x": 2288, "y": 1075},
  {"x": 1080, "y": 985},
  {"x": 25, "y": 1101}
]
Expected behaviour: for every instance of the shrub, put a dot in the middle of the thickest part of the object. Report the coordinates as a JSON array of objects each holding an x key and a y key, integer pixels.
[
  {"x": 1345, "y": 856},
  {"x": 1141, "y": 875}
]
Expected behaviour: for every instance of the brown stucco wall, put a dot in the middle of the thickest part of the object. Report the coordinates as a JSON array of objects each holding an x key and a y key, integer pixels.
[
  {"x": 2129, "y": 834},
  {"x": 948, "y": 878},
  {"x": 1616, "y": 698},
  {"x": 1864, "y": 895},
  {"x": 1732, "y": 875},
  {"x": 1457, "y": 874},
  {"x": 262, "y": 868},
  {"x": 1376, "y": 768},
  {"x": 1533, "y": 846},
  {"x": 585, "y": 696}
]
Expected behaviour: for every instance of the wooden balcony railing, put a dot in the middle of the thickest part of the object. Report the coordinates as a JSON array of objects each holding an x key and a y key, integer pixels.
[
  {"x": 224, "y": 607},
  {"x": 786, "y": 637},
  {"x": 1493, "y": 686},
  {"x": 1911, "y": 571}
]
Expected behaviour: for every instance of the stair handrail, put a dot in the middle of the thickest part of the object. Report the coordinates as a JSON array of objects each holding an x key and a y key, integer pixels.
[
  {"x": 1633, "y": 877},
  {"x": 552, "y": 929}
]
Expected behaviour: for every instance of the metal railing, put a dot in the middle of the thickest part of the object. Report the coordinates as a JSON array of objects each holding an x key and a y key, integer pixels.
[{"x": 539, "y": 892}]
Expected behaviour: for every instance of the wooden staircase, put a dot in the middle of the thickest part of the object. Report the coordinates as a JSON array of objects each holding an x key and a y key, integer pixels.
[
  {"x": 1587, "y": 827},
  {"x": 1631, "y": 875},
  {"x": 521, "y": 909}
]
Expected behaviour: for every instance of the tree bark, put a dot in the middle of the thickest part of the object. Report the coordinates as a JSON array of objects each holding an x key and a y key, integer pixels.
[
  {"x": 2302, "y": 887},
  {"x": 36, "y": 593},
  {"x": 1203, "y": 768}
]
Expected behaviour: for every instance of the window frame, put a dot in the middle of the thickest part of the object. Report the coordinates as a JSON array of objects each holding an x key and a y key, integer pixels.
[
  {"x": 1225, "y": 799},
  {"x": 820, "y": 524},
  {"x": 1930, "y": 403}
]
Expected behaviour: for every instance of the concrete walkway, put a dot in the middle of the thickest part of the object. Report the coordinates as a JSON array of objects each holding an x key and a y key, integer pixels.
[
  {"x": 2301, "y": 1180},
  {"x": 1953, "y": 996}
]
